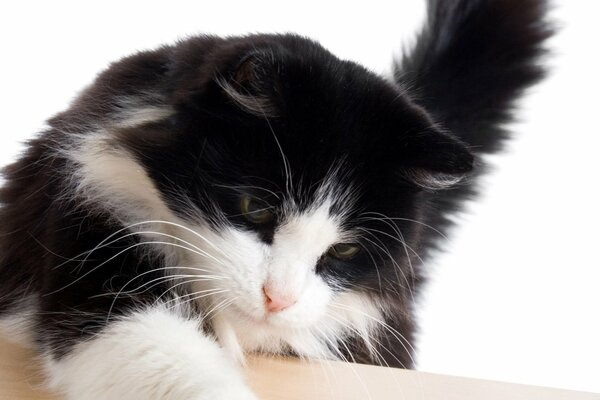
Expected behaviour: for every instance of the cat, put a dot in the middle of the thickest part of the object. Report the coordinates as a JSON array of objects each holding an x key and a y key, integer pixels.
[{"x": 221, "y": 196}]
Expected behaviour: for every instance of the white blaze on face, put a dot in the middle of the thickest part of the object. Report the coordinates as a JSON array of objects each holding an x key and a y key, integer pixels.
[
  {"x": 316, "y": 316},
  {"x": 298, "y": 244},
  {"x": 283, "y": 271}
]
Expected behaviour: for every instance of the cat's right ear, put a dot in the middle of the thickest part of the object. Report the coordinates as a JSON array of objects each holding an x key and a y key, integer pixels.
[
  {"x": 434, "y": 159},
  {"x": 252, "y": 83}
]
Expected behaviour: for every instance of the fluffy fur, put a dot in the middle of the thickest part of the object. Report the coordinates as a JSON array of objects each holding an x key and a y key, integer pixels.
[{"x": 126, "y": 253}]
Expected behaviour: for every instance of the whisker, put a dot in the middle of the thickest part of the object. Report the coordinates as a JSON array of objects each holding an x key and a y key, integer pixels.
[
  {"x": 379, "y": 356},
  {"x": 220, "y": 306},
  {"x": 401, "y": 339},
  {"x": 179, "y": 304},
  {"x": 394, "y": 262},
  {"x": 253, "y": 211},
  {"x": 54, "y": 253},
  {"x": 367, "y": 340},
  {"x": 402, "y": 242},
  {"x": 383, "y": 216},
  {"x": 112, "y": 305},
  {"x": 152, "y": 281},
  {"x": 163, "y": 278},
  {"x": 103, "y": 242},
  {"x": 249, "y": 187},
  {"x": 376, "y": 267},
  {"x": 328, "y": 370},
  {"x": 286, "y": 165},
  {"x": 169, "y": 223},
  {"x": 115, "y": 256},
  {"x": 199, "y": 279},
  {"x": 179, "y": 239},
  {"x": 399, "y": 239},
  {"x": 199, "y": 250},
  {"x": 196, "y": 295},
  {"x": 335, "y": 348}
]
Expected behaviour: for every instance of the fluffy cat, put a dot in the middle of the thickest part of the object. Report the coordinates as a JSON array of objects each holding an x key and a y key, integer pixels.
[{"x": 221, "y": 196}]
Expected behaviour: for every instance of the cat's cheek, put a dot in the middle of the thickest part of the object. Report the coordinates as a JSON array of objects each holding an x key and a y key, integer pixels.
[{"x": 239, "y": 263}]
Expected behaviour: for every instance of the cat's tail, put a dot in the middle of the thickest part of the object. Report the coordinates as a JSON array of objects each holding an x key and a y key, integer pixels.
[
  {"x": 469, "y": 64},
  {"x": 472, "y": 60}
]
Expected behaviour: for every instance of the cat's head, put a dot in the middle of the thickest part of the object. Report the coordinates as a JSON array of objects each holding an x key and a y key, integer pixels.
[{"x": 302, "y": 176}]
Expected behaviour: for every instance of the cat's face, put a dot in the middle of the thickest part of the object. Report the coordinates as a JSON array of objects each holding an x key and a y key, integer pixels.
[{"x": 302, "y": 179}]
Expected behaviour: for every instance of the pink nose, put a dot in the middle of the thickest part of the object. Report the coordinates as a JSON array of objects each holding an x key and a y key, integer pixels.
[{"x": 276, "y": 301}]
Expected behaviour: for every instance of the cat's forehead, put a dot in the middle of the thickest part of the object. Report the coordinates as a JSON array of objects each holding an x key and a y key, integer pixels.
[
  {"x": 332, "y": 193},
  {"x": 321, "y": 142}
]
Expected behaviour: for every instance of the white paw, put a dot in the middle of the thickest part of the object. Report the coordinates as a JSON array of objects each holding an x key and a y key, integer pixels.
[{"x": 143, "y": 358}]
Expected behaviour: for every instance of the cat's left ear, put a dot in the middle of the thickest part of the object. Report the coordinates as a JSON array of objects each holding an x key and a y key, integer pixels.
[
  {"x": 252, "y": 83},
  {"x": 434, "y": 159}
]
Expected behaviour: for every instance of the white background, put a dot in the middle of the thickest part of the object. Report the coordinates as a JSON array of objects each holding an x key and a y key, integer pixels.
[{"x": 516, "y": 296}]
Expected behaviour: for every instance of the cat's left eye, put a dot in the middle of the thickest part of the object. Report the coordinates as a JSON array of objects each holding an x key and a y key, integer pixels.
[
  {"x": 343, "y": 251},
  {"x": 255, "y": 210}
]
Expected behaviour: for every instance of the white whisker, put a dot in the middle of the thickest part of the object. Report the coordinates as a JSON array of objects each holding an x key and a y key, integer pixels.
[
  {"x": 385, "y": 217},
  {"x": 401, "y": 339},
  {"x": 335, "y": 348},
  {"x": 115, "y": 256},
  {"x": 249, "y": 187}
]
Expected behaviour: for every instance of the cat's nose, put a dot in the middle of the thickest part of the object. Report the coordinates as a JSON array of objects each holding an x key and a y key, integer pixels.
[{"x": 276, "y": 301}]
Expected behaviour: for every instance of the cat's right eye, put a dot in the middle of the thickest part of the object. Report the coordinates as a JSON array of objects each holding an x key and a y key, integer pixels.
[
  {"x": 255, "y": 211},
  {"x": 343, "y": 251}
]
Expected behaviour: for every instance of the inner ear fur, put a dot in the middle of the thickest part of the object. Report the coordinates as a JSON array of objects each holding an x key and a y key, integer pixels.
[
  {"x": 434, "y": 159},
  {"x": 250, "y": 85}
]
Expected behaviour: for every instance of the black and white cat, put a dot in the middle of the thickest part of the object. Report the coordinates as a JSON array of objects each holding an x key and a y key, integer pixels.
[{"x": 250, "y": 194}]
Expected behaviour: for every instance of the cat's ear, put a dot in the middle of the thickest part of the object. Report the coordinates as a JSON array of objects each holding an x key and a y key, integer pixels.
[
  {"x": 252, "y": 82},
  {"x": 434, "y": 159}
]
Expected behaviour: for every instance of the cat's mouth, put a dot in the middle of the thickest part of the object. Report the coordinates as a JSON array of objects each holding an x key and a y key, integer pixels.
[
  {"x": 255, "y": 316},
  {"x": 290, "y": 317}
]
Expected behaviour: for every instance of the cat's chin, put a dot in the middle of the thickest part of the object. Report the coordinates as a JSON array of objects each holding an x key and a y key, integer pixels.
[
  {"x": 276, "y": 334},
  {"x": 284, "y": 320}
]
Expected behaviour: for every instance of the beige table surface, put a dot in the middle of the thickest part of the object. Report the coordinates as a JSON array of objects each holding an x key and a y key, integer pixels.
[{"x": 277, "y": 379}]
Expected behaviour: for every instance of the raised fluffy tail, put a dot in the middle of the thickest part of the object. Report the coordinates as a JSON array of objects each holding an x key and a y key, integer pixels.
[
  {"x": 472, "y": 60},
  {"x": 470, "y": 63}
]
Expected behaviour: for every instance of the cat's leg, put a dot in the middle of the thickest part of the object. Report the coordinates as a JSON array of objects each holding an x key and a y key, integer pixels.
[{"x": 150, "y": 355}]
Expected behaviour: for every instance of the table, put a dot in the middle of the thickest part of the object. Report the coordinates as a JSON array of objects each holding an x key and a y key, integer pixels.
[{"x": 286, "y": 379}]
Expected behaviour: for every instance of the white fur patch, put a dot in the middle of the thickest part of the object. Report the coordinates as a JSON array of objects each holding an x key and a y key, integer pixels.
[
  {"x": 110, "y": 177},
  {"x": 132, "y": 117},
  {"x": 297, "y": 246},
  {"x": 153, "y": 355},
  {"x": 138, "y": 110}
]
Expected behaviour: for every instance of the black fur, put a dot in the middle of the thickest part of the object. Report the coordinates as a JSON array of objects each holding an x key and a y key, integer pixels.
[
  {"x": 457, "y": 85},
  {"x": 470, "y": 63}
]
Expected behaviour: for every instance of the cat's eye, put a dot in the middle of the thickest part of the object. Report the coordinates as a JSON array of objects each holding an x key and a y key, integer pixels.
[
  {"x": 343, "y": 251},
  {"x": 255, "y": 211}
]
